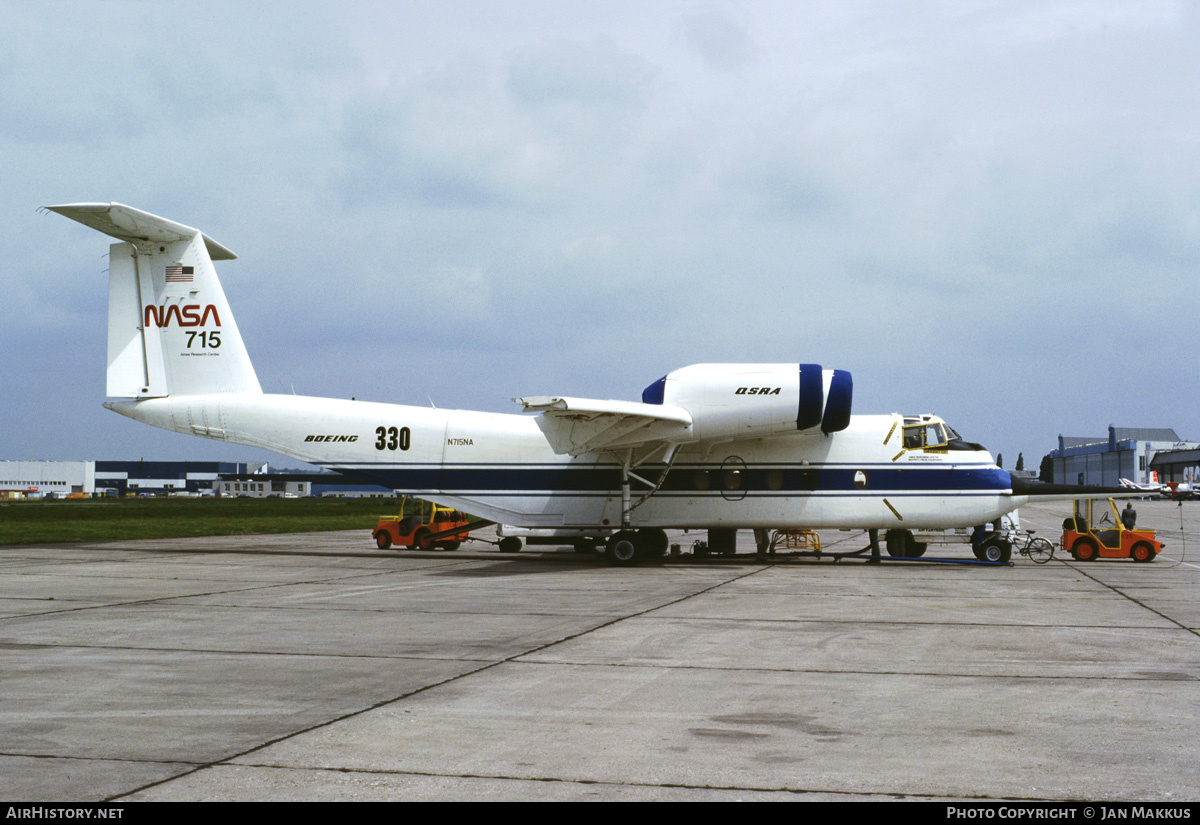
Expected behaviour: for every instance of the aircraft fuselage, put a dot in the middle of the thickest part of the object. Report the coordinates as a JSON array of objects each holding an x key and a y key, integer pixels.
[{"x": 501, "y": 467}]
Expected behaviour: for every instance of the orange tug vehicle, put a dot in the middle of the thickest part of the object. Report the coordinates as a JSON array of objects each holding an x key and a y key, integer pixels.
[
  {"x": 1110, "y": 539},
  {"x": 431, "y": 527}
]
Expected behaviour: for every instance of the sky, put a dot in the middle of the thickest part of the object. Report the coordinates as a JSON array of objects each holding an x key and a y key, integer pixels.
[{"x": 985, "y": 210}]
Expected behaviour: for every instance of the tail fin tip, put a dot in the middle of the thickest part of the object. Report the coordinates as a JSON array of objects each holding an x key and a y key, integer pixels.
[
  {"x": 135, "y": 226},
  {"x": 166, "y": 307}
]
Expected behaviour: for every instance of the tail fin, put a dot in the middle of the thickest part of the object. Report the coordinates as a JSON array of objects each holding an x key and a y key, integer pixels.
[{"x": 170, "y": 329}]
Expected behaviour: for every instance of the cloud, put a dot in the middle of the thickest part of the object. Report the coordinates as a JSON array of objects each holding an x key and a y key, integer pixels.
[
  {"x": 721, "y": 41},
  {"x": 959, "y": 202}
]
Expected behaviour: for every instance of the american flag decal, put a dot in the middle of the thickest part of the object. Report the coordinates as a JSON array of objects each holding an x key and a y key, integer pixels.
[{"x": 180, "y": 274}]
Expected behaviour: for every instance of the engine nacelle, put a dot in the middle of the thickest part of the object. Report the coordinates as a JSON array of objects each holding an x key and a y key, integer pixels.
[{"x": 739, "y": 400}]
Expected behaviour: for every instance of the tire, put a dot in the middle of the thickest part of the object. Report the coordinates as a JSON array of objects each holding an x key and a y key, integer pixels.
[
  {"x": 1041, "y": 551},
  {"x": 1085, "y": 550},
  {"x": 722, "y": 541},
  {"x": 383, "y": 540},
  {"x": 421, "y": 539},
  {"x": 652, "y": 543},
  {"x": 512, "y": 544},
  {"x": 450, "y": 546},
  {"x": 585, "y": 547},
  {"x": 917, "y": 549},
  {"x": 623, "y": 550},
  {"x": 1143, "y": 551},
  {"x": 996, "y": 550},
  {"x": 898, "y": 543}
]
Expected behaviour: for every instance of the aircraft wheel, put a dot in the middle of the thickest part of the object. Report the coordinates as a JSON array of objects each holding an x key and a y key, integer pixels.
[
  {"x": 916, "y": 549},
  {"x": 1085, "y": 550},
  {"x": 383, "y": 539},
  {"x": 421, "y": 539},
  {"x": 622, "y": 549},
  {"x": 1142, "y": 551},
  {"x": 722, "y": 541},
  {"x": 996, "y": 550},
  {"x": 512, "y": 544},
  {"x": 899, "y": 543},
  {"x": 652, "y": 542}
]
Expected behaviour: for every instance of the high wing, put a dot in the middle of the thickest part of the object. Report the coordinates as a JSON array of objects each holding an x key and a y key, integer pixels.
[
  {"x": 701, "y": 403},
  {"x": 576, "y": 426}
]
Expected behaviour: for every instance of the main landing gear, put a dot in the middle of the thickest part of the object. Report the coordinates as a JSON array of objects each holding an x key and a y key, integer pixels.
[
  {"x": 629, "y": 547},
  {"x": 901, "y": 544}
]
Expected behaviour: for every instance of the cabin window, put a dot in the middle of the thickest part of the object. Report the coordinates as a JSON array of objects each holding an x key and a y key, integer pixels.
[{"x": 731, "y": 480}]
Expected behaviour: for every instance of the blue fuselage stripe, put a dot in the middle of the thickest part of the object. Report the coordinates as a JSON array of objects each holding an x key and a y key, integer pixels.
[{"x": 767, "y": 480}]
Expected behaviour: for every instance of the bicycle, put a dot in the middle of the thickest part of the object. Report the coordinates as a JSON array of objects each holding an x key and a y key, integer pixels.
[{"x": 1039, "y": 551}]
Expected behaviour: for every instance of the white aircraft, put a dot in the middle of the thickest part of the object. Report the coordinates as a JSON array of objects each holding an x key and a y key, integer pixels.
[
  {"x": 720, "y": 447},
  {"x": 1174, "y": 489}
]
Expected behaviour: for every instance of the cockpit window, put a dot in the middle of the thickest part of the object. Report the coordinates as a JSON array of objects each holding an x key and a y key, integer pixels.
[
  {"x": 914, "y": 438},
  {"x": 928, "y": 435}
]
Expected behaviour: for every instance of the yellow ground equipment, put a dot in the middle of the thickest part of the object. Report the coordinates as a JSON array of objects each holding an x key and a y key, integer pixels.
[
  {"x": 429, "y": 527},
  {"x": 796, "y": 540}
]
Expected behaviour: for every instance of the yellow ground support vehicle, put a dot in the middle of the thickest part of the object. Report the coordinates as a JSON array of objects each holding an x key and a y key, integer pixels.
[
  {"x": 1107, "y": 537},
  {"x": 430, "y": 527}
]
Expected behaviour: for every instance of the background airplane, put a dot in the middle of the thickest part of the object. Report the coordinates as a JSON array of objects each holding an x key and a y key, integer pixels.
[{"x": 1177, "y": 490}]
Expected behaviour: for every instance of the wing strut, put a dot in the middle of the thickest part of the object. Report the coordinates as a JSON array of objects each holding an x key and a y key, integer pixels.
[{"x": 627, "y": 465}]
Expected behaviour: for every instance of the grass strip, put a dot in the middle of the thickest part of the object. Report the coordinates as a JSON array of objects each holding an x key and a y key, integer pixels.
[{"x": 40, "y": 522}]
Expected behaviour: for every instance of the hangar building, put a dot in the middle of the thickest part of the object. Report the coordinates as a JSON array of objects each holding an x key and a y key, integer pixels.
[
  {"x": 59, "y": 479},
  {"x": 163, "y": 476},
  {"x": 1127, "y": 452},
  {"x": 26, "y": 479},
  {"x": 1177, "y": 465}
]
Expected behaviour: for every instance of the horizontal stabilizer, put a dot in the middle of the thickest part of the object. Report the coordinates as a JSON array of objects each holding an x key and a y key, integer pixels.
[
  {"x": 584, "y": 425},
  {"x": 137, "y": 227}
]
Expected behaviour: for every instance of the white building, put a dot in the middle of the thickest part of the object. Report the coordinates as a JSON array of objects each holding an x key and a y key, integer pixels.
[
  {"x": 263, "y": 488},
  {"x": 46, "y": 479}
]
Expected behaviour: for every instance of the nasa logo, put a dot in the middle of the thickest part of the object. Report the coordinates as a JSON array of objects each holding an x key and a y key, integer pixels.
[
  {"x": 758, "y": 391},
  {"x": 189, "y": 316}
]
